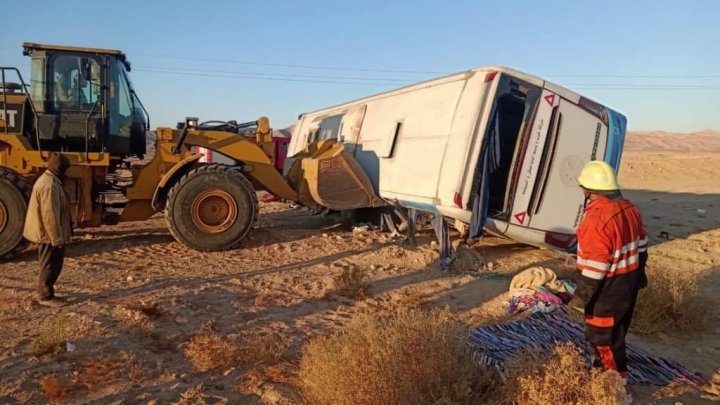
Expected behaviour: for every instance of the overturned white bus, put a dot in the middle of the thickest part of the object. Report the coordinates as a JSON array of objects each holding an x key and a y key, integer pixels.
[{"x": 491, "y": 146}]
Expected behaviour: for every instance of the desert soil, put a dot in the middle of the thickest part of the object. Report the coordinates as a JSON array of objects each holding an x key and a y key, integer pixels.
[{"x": 136, "y": 297}]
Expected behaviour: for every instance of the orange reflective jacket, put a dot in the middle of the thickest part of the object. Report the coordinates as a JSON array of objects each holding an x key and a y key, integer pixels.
[{"x": 611, "y": 238}]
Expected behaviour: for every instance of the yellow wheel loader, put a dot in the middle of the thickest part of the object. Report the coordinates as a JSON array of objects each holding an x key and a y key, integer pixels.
[{"x": 81, "y": 102}]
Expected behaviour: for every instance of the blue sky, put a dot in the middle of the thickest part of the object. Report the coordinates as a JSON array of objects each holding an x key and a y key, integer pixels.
[{"x": 658, "y": 62}]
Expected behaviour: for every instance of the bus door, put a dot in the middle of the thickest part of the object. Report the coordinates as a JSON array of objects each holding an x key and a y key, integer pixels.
[{"x": 577, "y": 137}]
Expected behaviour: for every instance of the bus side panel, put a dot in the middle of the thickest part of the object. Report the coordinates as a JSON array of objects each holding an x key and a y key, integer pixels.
[
  {"x": 462, "y": 150},
  {"x": 298, "y": 141},
  {"x": 530, "y": 160},
  {"x": 524, "y": 234},
  {"x": 403, "y": 138},
  {"x": 581, "y": 138},
  {"x": 617, "y": 125}
]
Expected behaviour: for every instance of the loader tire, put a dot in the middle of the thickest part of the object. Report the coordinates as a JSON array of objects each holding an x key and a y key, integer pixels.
[
  {"x": 14, "y": 197},
  {"x": 211, "y": 208}
]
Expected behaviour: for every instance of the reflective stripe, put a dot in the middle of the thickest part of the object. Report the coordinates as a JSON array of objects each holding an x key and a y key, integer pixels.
[
  {"x": 636, "y": 244},
  {"x": 594, "y": 264},
  {"x": 593, "y": 274},
  {"x": 607, "y": 358},
  {"x": 627, "y": 248},
  {"x": 625, "y": 270},
  {"x": 624, "y": 263},
  {"x": 600, "y": 321}
]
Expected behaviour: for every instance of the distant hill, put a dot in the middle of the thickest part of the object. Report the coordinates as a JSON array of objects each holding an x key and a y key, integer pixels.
[{"x": 702, "y": 141}]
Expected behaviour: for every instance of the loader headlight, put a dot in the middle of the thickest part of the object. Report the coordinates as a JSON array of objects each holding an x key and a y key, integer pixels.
[{"x": 192, "y": 122}]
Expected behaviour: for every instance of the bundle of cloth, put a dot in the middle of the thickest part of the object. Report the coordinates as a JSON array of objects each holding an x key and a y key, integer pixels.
[{"x": 537, "y": 289}]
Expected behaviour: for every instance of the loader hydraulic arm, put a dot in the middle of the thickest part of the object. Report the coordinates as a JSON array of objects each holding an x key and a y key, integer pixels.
[{"x": 255, "y": 157}]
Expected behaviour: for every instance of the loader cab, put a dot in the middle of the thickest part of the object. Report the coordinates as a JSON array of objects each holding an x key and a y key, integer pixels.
[{"x": 84, "y": 101}]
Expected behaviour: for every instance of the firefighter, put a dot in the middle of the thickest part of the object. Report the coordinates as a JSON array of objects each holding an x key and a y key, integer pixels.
[{"x": 611, "y": 258}]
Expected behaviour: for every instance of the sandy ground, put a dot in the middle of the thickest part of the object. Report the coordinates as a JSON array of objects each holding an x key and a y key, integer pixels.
[{"x": 279, "y": 289}]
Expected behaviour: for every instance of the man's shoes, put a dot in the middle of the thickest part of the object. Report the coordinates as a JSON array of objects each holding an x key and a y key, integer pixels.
[{"x": 51, "y": 302}]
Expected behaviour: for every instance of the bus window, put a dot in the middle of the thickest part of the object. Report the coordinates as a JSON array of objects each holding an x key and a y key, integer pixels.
[{"x": 330, "y": 127}]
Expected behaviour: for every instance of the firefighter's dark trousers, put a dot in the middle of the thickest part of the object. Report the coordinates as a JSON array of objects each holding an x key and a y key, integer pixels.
[
  {"x": 51, "y": 260},
  {"x": 606, "y": 324}
]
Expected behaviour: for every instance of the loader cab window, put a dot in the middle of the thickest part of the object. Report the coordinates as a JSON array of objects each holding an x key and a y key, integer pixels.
[
  {"x": 128, "y": 123},
  {"x": 75, "y": 82},
  {"x": 121, "y": 101},
  {"x": 37, "y": 83},
  {"x": 91, "y": 89}
]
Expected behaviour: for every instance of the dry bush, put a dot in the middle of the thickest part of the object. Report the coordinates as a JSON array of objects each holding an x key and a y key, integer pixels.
[
  {"x": 265, "y": 354},
  {"x": 250, "y": 382},
  {"x": 671, "y": 302},
  {"x": 137, "y": 315},
  {"x": 559, "y": 376},
  {"x": 268, "y": 298},
  {"x": 351, "y": 283},
  {"x": 467, "y": 260},
  {"x": 53, "y": 337},
  {"x": 194, "y": 395},
  {"x": 150, "y": 310},
  {"x": 282, "y": 373},
  {"x": 54, "y": 390},
  {"x": 272, "y": 389},
  {"x": 136, "y": 373},
  {"x": 159, "y": 343},
  {"x": 262, "y": 348},
  {"x": 96, "y": 373},
  {"x": 413, "y": 357},
  {"x": 100, "y": 372},
  {"x": 412, "y": 299},
  {"x": 209, "y": 351},
  {"x": 712, "y": 389}
]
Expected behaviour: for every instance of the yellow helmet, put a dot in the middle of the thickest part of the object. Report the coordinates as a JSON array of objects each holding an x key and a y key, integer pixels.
[{"x": 598, "y": 176}]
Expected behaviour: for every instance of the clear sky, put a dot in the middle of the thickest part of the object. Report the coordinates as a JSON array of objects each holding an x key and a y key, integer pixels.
[{"x": 658, "y": 62}]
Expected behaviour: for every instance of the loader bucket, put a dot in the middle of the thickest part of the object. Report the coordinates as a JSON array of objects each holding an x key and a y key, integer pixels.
[{"x": 326, "y": 175}]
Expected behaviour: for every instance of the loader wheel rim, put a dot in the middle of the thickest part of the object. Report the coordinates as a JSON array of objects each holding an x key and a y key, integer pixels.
[
  {"x": 214, "y": 211},
  {"x": 3, "y": 216}
]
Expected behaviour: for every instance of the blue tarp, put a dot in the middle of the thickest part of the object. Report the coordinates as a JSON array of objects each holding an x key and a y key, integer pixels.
[{"x": 500, "y": 342}]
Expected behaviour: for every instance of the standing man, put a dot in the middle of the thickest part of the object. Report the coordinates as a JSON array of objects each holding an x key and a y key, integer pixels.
[
  {"x": 48, "y": 223},
  {"x": 611, "y": 256}
]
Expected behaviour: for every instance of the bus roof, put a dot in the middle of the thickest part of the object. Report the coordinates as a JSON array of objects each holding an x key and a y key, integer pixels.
[{"x": 567, "y": 93}]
